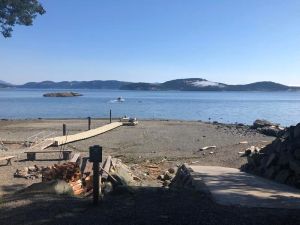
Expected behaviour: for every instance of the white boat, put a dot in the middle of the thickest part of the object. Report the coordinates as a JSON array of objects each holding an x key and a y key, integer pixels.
[{"x": 120, "y": 99}]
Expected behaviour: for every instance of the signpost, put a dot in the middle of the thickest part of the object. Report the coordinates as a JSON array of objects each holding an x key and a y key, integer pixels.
[{"x": 95, "y": 158}]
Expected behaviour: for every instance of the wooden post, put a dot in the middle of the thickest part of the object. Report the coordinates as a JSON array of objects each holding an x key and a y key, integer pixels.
[
  {"x": 64, "y": 129},
  {"x": 110, "y": 116},
  {"x": 89, "y": 123},
  {"x": 95, "y": 158}
]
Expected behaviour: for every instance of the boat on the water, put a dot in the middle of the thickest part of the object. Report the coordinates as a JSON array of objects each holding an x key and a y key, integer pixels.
[{"x": 120, "y": 99}]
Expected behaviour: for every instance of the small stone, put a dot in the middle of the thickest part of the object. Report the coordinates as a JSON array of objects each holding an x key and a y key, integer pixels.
[
  {"x": 108, "y": 187},
  {"x": 161, "y": 177},
  {"x": 168, "y": 176},
  {"x": 172, "y": 170},
  {"x": 166, "y": 183}
]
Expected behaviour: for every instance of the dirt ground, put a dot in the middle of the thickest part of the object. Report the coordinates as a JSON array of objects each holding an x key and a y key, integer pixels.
[{"x": 163, "y": 143}]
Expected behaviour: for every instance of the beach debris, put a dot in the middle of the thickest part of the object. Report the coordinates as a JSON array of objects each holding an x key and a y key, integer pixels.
[
  {"x": 243, "y": 142},
  {"x": 211, "y": 153},
  {"x": 167, "y": 176},
  {"x": 31, "y": 172},
  {"x": 280, "y": 160},
  {"x": 3, "y": 147},
  {"x": 207, "y": 148}
]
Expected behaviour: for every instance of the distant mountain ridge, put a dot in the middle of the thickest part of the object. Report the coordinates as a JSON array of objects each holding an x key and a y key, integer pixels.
[
  {"x": 188, "y": 84},
  {"x": 4, "y": 84},
  {"x": 95, "y": 84},
  {"x": 199, "y": 84}
]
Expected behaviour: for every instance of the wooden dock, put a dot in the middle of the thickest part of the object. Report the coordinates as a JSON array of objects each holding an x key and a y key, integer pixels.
[{"x": 57, "y": 141}]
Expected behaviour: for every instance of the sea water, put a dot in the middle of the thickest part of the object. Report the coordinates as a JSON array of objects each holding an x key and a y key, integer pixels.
[{"x": 227, "y": 107}]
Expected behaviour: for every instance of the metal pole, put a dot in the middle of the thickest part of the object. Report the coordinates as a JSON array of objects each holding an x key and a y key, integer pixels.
[
  {"x": 64, "y": 129},
  {"x": 110, "y": 116},
  {"x": 89, "y": 123}
]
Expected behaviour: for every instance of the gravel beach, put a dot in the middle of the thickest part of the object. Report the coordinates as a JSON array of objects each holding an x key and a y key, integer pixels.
[{"x": 166, "y": 143}]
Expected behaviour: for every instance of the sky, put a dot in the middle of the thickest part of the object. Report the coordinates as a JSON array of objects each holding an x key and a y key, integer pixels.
[{"x": 228, "y": 41}]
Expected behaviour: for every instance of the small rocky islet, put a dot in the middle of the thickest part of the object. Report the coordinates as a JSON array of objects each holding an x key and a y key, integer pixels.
[{"x": 62, "y": 94}]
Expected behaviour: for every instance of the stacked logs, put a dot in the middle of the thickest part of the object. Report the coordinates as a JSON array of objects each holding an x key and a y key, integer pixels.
[{"x": 69, "y": 172}]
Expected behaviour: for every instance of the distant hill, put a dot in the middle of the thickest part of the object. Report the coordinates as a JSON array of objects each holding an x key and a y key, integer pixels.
[
  {"x": 199, "y": 84},
  {"x": 95, "y": 84},
  {"x": 189, "y": 84},
  {"x": 4, "y": 84}
]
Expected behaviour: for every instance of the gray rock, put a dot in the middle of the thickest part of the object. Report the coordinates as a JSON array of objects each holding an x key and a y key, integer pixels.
[
  {"x": 168, "y": 176},
  {"x": 271, "y": 160},
  {"x": 282, "y": 176},
  {"x": 173, "y": 170},
  {"x": 263, "y": 123},
  {"x": 270, "y": 172},
  {"x": 283, "y": 159},
  {"x": 166, "y": 183},
  {"x": 294, "y": 166},
  {"x": 108, "y": 187}
]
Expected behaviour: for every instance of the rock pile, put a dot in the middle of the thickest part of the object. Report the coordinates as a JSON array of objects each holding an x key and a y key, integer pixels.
[
  {"x": 280, "y": 160},
  {"x": 167, "y": 176},
  {"x": 268, "y": 128}
]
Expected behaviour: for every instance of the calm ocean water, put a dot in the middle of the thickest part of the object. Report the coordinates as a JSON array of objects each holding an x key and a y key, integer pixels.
[{"x": 228, "y": 107}]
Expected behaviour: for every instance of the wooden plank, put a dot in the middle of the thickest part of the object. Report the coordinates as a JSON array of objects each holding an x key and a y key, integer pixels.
[
  {"x": 75, "y": 157},
  {"x": 42, "y": 145},
  {"x": 106, "y": 167},
  {"x": 49, "y": 151},
  {"x": 84, "y": 135},
  {"x": 7, "y": 157}
]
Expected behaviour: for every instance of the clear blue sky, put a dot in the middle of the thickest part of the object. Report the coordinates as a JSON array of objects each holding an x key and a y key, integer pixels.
[{"x": 230, "y": 41}]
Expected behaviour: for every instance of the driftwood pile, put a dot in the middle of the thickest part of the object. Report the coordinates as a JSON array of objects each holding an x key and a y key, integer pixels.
[{"x": 280, "y": 160}]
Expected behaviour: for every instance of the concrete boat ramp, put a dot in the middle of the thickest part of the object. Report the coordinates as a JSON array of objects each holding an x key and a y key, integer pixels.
[{"x": 229, "y": 186}]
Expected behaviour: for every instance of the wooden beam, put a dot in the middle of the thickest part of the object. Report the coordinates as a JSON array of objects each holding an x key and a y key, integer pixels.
[{"x": 84, "y": 135}]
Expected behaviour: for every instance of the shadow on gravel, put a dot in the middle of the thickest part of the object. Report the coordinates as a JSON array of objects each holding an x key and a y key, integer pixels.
[
  {"x": 140, "y": 206},
  {"x": 12, "y": 188}
]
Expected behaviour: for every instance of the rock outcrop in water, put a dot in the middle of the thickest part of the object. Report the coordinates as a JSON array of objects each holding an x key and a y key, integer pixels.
[
  {"x": 62, "y": 94},
  {"x": 280, "y": 160}
]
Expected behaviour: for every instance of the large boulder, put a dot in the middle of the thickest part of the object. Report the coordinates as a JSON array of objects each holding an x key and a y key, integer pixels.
[
  {"x": 263, "y": 123},
  {"x": 268, "y": 128}
]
